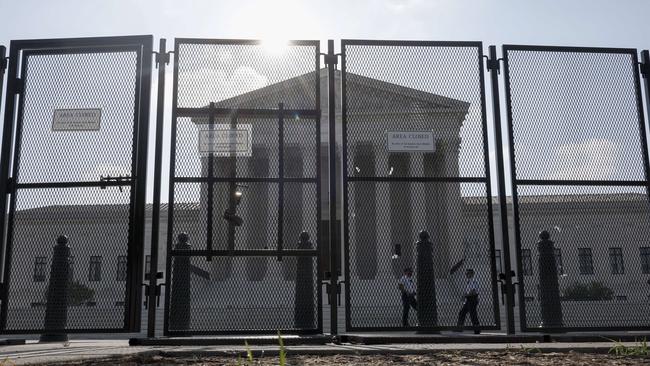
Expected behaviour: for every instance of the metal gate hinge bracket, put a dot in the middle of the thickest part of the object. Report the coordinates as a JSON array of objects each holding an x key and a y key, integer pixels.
[
  {"x": 331, "y": 59},
  {"x": 162, "y": 57},
  {"x": 493, "y": 64},
  {"x": 645, "y": 69},
  {"x": 10, "y": 187},
  {"x": 3, "y": 63}
]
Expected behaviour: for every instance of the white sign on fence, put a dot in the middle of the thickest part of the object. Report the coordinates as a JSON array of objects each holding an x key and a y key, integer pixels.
[
  {"x": 76, "y": 119},
  {"x": 225, "y": 141},
  {"x": 408, "y": 141}
]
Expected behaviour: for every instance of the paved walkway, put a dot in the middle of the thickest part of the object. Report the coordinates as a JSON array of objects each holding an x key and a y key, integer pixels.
[{"x": 76, "y": 350}]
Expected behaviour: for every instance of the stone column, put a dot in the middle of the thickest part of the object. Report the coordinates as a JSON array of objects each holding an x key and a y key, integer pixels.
[
  {"x": 400, "y": 212},
  {"x": 365, "y": 208},
  {"x": 426, "y": 282},
  {"x": 293, "y": 207},
  {"x": 258, "y": 229}
]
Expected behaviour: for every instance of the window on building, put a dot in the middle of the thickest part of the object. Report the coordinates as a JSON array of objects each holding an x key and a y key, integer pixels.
[
  {"x": 558, "y": 261},
  {"x": 645, "y": 259},
  {"x": 121, "y": 268},
  {"x": 39, "y": 269},
  {"x": 585, "y": 261},
  {"x": 616, "y": 260},
  {"x": 526, "y": 262},
  {"x": 95, "y": 269},
  {"x": 497, "y": 258}
]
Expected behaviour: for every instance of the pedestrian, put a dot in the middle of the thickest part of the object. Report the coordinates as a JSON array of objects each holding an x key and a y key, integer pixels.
[
  {"x": 470, "y": 304},
  {"x": 407, "y": 288}
]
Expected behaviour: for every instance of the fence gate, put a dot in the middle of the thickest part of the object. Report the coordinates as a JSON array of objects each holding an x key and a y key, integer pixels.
[
  {"x": 415, "y": 158},
  {"x": 244, "y": 185},
  {"x": 579, "y": 172},
  {"x": 78, "y": 169}
]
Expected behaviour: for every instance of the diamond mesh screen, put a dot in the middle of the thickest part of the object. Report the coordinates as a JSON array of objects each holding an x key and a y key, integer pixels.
[
  {"x": 96, "y": 223},
  {"x": 105, "y": 81},
  {"x": 242, "y": 86},
  {"x": 239, "y": 303},
  {"x": 580, "y": 175},
  {"x": 392, "y": 194},
  {"x": 58, "y": 188}
]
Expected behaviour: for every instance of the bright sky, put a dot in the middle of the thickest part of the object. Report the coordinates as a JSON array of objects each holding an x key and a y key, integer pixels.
[{"x": 622, "y": 23}]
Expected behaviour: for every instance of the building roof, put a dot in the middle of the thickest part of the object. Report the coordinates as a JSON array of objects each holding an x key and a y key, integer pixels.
[{"x": 301, "y": 89}]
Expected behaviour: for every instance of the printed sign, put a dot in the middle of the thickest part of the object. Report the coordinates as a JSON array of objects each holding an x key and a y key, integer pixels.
[
  {"x": 76, "y": 119},
  {"x": 225, "y": 141},
  {"x": 408, "y": 141}
]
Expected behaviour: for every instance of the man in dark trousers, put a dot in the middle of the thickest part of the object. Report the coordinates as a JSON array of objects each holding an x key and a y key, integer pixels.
[
  {"x": 407, "y": 286},
  {"x": 471, "y": 301}
]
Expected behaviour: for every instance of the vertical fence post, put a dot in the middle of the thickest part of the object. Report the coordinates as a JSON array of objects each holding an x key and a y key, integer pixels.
[
  {"x": 5, "y": 168},
  {"x": 645, "y": 72},
  {"x": 3, "y": 67},
  {"x": 330, "y": 60},
  {"x": 161, "y": 61},
  {"x": 56, "y": 311},
  {"x": 493, "y": 67}
]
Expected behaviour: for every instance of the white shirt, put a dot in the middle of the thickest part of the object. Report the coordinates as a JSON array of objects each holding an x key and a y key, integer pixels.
[
  {"x": 471, "y": 285},
  {"x": 409, "y": 285}
]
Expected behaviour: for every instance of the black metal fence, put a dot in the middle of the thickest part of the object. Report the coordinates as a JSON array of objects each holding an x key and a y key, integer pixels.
[
  {"x": 415, "y": 157},
  {"x": 77, "y": 168},
  {"x": 579, "y": 174},
  {"x": 244, "y": 185},
  {"x": 247, "y": 186}
]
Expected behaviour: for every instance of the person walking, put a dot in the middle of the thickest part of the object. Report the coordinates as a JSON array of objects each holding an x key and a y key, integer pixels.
[
  {"x": 470, "y": 304},
  {"x": 407, "y": 287}
]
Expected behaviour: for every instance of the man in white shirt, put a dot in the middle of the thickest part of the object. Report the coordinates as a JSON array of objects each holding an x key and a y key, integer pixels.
[
  {"x": 471, "y": 301},
  {"x": 407, "y": 286}
]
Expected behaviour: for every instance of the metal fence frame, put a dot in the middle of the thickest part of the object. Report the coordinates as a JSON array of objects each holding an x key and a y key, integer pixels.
[
  {"x": 232, "y": 252},
  {"x": 346, "y": 179},
  {"x": 19, "y": 50},
  {"x": 522, "y": 182}
]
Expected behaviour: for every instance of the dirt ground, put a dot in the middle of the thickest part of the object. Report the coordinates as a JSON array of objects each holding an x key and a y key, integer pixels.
[{"x": 515, "y": 357}]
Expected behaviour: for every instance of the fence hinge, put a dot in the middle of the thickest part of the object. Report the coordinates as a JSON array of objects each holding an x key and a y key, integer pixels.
[
  {"x": 19, "y": 85},
  {"x": 162, "y": 57},
  {"x": 493, "y": 64},
  {"x": 331, "y": 59},
  {"x": 3, "y": 63},
  {"x": 10, "y": 185}
]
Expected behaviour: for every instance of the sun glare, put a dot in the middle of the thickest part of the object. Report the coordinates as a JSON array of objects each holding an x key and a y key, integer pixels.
[{"x": 275, "y": 45}]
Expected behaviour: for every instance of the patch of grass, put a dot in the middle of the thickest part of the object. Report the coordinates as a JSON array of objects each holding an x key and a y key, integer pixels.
[
  {"x": 283, "y": 353},
  {"x": 249, "y": 354},
  {"x": 638, "y": 349}
]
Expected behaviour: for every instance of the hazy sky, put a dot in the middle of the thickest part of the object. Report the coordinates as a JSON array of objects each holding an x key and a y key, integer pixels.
[{"x": 622, "y": 23}]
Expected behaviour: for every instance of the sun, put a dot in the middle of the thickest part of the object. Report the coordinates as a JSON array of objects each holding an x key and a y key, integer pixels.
[{"x": 275, "y": 45}]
